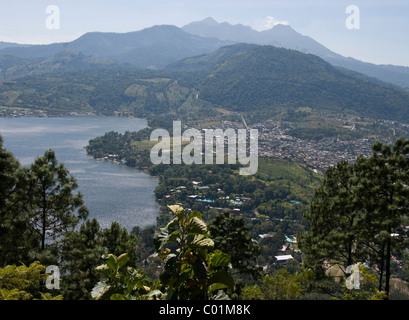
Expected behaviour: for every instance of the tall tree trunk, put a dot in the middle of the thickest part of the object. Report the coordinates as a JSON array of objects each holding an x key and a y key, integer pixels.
[
  {"x": 44, "y": 221},
  {"x": 381, "y": 267},
  {"x": 388, "y": 267}
]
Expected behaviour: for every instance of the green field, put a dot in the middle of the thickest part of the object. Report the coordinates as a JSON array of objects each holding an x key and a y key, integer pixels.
[{"x": 298, "y": 177}]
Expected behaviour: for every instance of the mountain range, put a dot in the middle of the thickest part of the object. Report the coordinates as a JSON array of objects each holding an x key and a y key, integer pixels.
[
  {"x": 159, "y": 46},
  {"x": 286, "y": 37},
  {"x": 256, "y": 81},
  {"x": 205, "y": 69},
  {"x": 153, "y": 47}
]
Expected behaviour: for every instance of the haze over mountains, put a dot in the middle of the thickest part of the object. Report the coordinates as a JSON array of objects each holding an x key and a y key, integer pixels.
[
  {"x": 286, "y": 37},
  {"x": 196, "y": 71},
  {"x": 159, "y": 46},
  {"x": 153, "y": 47}
]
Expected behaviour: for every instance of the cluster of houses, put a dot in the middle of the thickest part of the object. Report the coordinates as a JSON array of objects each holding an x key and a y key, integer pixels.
[
  {"x": 233, "y": 204},
  {"x": 284, "y": 254},
  {"x": 317, "y": 154}
]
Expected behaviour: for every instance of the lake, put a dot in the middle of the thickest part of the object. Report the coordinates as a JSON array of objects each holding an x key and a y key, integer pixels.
[{"x": 111, "y": 192}]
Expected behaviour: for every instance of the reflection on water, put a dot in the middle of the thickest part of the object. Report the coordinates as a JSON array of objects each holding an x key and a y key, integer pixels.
[{"x": 111, "y": 192}]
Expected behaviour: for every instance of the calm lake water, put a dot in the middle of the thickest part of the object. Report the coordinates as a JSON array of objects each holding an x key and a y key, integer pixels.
[{"x": 111, "y": 192}]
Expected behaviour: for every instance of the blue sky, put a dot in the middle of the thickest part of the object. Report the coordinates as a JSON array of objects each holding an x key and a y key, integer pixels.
[{"x": 383, "y": 36}]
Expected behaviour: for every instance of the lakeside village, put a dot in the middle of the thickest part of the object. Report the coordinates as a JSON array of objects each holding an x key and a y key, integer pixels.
[
  {"x": 14, "y": 112},
  {"x": 276, "y": 141}
]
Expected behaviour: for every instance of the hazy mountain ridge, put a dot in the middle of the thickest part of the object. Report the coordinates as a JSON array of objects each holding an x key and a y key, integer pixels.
[
  {"x": 159, "y": 46},
  {"x": 253, "y": 78},
  {"x": 153, "y": 47},
  {"x": 280, "y": 35},
  {"x": 285, "y": 36}
]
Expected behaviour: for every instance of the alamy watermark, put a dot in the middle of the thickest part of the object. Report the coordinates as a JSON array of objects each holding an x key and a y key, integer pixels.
[
  {"x": 53, "y": 19},
  {"x": 52, "y": 281},
  {"x": 353, "y": 282},
  {"x": 353, "y": 21},
  {"x": 210, "y": 145}
]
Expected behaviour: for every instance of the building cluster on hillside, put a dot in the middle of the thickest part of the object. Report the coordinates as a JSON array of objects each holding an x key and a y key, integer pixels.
[
  {"x": 318, "y": 154},
  {"x": 220, "y": 203}
]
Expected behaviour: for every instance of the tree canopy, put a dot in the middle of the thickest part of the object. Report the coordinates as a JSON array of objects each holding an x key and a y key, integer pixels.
[{"x": 359, "y": 213}]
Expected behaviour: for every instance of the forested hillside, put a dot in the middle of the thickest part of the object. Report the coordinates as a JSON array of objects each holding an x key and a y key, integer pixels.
[{"x": 268, "y": 79}]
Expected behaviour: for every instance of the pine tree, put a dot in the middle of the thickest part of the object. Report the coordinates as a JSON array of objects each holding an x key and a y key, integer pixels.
[
  {"x": 81, "y": 253},
  {"x": 54, "y": 208},
  {"x": 383, "y": 194},
  {"x": 333, "y": 222},
  {"x": 358, "y": 213},
  {"x": 16, "y": 239}
]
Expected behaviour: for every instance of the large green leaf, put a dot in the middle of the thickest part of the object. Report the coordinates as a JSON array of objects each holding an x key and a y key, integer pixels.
[
  {"x": 200, "y": 241},
  {"x": 200, "y": 269},
  {"x": 194, "y": 214},
  {"x": 160, "y": 238},
  {"x": 222, "y": 277},
  {"x": 169, "y": 268},
  {"x": 178, "y": 211},
  {"x": 195, "y": 225},
  {"x": 217, "y": 286},
  {"x": 122, "y": 260},
  {"x": 100, "y": 290},
  {"x": 173, "y": 223},
  {"x": 111, "y": 262}
]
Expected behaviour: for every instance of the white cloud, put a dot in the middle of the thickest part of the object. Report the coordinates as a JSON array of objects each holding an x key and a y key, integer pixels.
[{"x": 271, "y": 22}]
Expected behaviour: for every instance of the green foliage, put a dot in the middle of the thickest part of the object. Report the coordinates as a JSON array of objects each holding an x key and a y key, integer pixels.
[
  {"x": 282, "y": 285},
  {"x": 121, "y": 282},
  {"x": 192, "y": 268},
  {"x": 16, "y": 237},
  {"x": 230, "y": 235},
  {"x": 358, "y": 213},
  {"x": 334, "y": 221},
  {"x": 81, "y": 251},
  {"x": 24, "y": 283},
  {"x": 252, "y": 293},
  {"x": 54, "y": 209}
]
